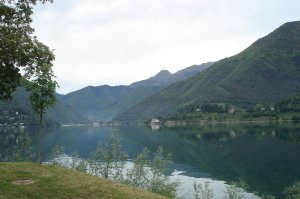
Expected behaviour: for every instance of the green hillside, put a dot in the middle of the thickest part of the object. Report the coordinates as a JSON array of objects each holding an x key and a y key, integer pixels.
[
  {"x": 20, "y": 103},
  {"x": 104, "y": 102},
  {"x": 265, "y": 72}
]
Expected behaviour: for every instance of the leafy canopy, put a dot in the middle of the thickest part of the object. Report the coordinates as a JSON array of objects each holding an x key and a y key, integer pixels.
[
  {"x": 42, "y": 90},
  {"x": 20, "y": 51}
]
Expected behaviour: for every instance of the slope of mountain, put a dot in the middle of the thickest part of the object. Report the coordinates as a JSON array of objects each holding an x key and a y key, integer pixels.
[
  {"x": 165, "y": 78},
  {"x": 104, "y": 102},
  {"x": 58, "y": 113},
  {"x": 265, "y": 72}
]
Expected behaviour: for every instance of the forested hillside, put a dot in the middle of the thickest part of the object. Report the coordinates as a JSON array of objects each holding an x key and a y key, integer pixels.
[{"x": 265, "y": 72}]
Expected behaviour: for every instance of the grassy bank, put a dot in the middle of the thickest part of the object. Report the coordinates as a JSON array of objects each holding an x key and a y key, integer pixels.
[{"x": 29, "y": 180}]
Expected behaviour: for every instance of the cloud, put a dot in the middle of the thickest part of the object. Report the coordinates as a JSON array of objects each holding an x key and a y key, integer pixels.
[{"x": 121, "y": 41}]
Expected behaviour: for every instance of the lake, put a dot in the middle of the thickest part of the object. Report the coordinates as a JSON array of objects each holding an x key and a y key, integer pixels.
[{"x": 265, "y": 157}]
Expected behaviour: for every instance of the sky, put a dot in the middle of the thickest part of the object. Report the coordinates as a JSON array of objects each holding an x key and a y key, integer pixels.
[{"x": 118, "y": 42}]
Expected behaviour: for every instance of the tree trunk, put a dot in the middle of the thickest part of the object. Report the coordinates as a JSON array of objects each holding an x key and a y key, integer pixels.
[
  {"x": 41, "y": 119},
  {"x": 40, "y": 146},
  {"x": 40, "y": 134}
]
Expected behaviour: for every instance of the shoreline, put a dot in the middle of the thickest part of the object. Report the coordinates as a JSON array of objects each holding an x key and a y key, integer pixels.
[{"x": 172, "y": 123}]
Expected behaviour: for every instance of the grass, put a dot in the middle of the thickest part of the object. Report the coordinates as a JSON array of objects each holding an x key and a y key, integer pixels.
[{"x": 57, "y": 182}]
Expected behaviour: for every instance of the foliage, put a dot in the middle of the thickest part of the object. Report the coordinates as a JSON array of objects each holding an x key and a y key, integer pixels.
[
  {"x": 55, "y": 153},
  {"x": 77, "y": 164},
  {"x": 42, "y": 90},
  {"x": 267, "y": 196},
  {"x": 20, "y": 51},
  {"x": 235, "y": 190},
  {"x": 203, "y": 192},
  {"x": 159, "y": 182},
  {"x": 214, "y": 108},
  {"x": 188, "y": 108},
  {"x": 292, "y": 104},
  {"x": 138, "y": 175},
  {"x": 108, "y": 160},
  {"x": 293, "y": 191},
  {"x": 151, "y": 175},
  {"x": 21, "y": 151}
]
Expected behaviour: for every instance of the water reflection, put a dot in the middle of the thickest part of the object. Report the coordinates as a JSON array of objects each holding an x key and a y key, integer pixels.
[{"x": 266, "y": 157}]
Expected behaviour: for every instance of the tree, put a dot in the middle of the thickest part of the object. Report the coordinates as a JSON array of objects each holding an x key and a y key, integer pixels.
[
  {"x": 203, "y": 192},
  {"x": 109, "y": 160},
  {"x": 159, "y": 181},
  {"x": 138, "y": 175},
  {"x": 20, "y": 51},
  {"x": 42, "y": 90},
  {"x": 151, "y": 175},
  {"x": 293, "y": 191}
]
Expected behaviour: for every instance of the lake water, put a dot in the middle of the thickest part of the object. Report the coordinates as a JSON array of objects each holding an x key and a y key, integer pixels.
[{"x": 266, "y": 157}]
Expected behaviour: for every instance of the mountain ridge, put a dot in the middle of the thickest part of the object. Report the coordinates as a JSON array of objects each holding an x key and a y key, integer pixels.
[
  {"x": 165, "y": 78},
  {"x": 104, "y": 102},
  {"x": 266, "y": 71}
]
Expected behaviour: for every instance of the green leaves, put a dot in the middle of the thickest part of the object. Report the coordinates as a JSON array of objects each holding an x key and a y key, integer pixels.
[
  {"x": 19, "y": 48},
  {"x": 293, "y": 191},
  {"x": 138, "y": 175},
  {"x": 151, "y": 175},
  {"x": 109, "y": 160},
  {"x": 42, "y": 90}
]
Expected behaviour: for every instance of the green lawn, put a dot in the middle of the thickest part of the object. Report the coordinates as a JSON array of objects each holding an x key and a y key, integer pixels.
[{"x": 56, "y": 182}]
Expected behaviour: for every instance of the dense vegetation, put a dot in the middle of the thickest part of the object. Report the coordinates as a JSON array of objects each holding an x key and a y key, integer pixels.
[
  {"x": 283, "y": 110},
  {"x": 265, "y": 72},
  {"x": 291, "y": 104}
]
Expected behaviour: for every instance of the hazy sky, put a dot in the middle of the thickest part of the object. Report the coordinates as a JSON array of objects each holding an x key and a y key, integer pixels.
[{"x": 117, "y": 42}]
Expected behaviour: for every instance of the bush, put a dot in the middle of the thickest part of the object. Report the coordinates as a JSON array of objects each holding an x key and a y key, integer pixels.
[
  {"x": 109, "y": 160},
  {"x": 151, "y": 175},
  {"x": 293, "y": 191}
]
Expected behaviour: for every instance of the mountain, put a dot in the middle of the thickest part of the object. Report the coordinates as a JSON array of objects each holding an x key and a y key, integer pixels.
[
  {"x": 165, "y": 78},
  {"x": 20, "y": 103},
  {"x": 104, "y": 102},
  {"x": 265, "y": 72}
]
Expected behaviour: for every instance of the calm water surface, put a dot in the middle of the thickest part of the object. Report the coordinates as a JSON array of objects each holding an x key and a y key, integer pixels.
[{"x": 266, "y": 157}]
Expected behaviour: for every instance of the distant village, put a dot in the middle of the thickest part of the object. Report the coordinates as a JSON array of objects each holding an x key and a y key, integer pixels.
[{"x": 12, "y": 119}]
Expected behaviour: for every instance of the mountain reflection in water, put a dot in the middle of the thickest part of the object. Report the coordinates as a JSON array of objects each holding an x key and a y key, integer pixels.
[{"x": 266, "y": 157}]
